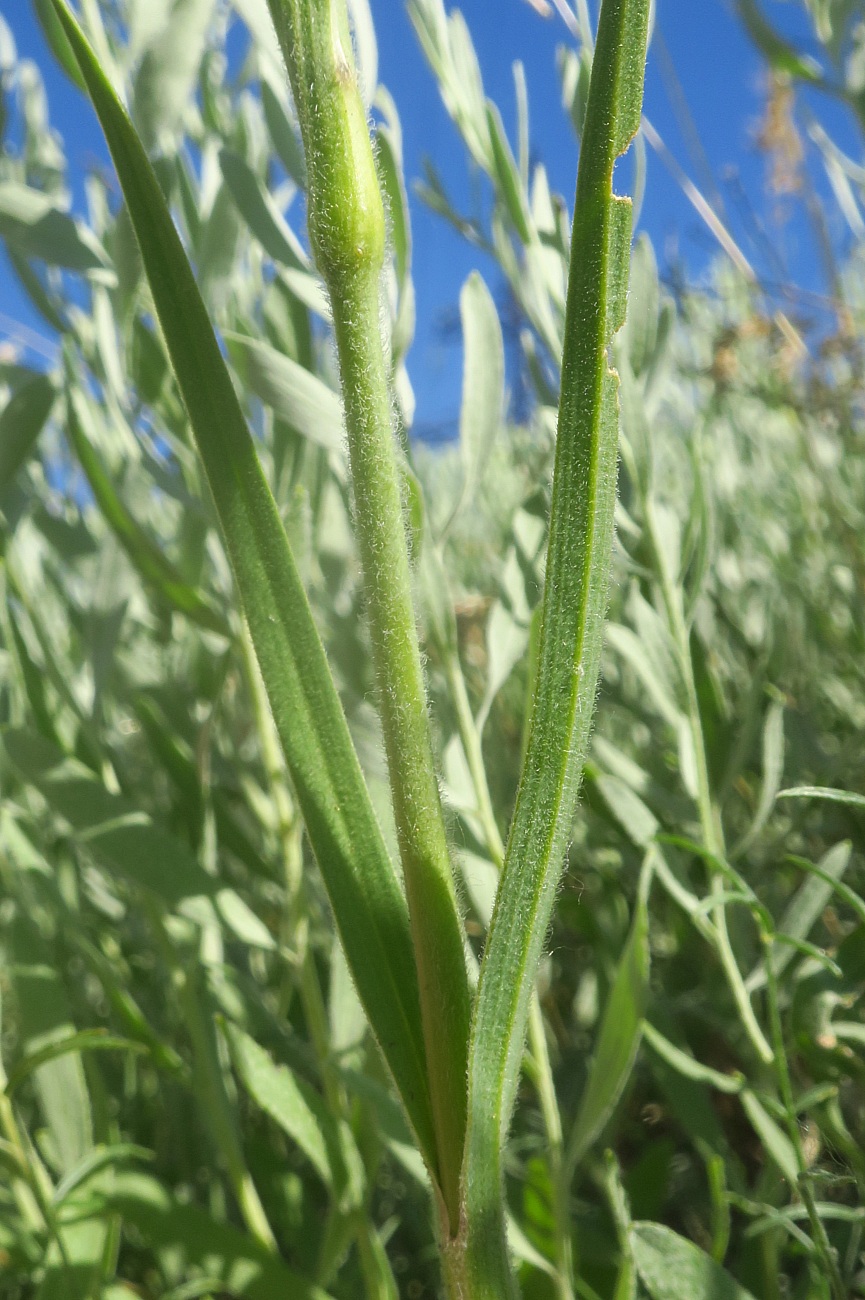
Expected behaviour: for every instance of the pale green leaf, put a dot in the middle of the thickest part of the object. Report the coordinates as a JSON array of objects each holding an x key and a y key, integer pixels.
[
  {"x": 261, "y": 213},
  {"x": 848, "y": 797},
  {"x": 296, "y": 395},
  {"x": 36, "y": 227},
  {"x": 673, "y": 1268},
  {"x": 775, "y": 1141},
  {"x": 618, "y": 1040},
  {"x": 21, "y": 421}
]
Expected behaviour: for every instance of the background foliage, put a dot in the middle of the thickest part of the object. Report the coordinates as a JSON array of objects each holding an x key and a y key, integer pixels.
[{"x": 192, "y": 1105}]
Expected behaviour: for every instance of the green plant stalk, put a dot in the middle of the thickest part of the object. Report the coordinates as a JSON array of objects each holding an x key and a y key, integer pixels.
[
  {"x": 574, "y": 605},
  {"x": 347, "y": 232},
  {"x": 710, "y": 821},
  {"x": 540, "y": 1066}
]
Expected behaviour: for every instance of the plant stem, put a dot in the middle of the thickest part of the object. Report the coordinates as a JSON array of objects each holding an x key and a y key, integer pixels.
[
  {"x": 347, "y": 231},
  {"x": 541, "y": 1068},
  {"x": 710, "y": 820}
]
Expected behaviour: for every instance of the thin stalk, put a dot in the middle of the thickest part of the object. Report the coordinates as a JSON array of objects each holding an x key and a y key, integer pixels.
[
  {"x": 347, "y": 232},
  {"x": 541, "y": 1068},
  {"x": 710, "y": 820},
  {"x": 785, "y": 1087},
  {"x": 289, "y": 831}
]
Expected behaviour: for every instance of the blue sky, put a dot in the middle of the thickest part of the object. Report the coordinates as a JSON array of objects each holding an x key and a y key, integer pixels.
[{"x": 720, "y": 80}]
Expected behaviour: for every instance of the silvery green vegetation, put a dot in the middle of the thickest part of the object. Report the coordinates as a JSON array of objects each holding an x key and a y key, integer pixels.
[{"x": 317, "y": 980}]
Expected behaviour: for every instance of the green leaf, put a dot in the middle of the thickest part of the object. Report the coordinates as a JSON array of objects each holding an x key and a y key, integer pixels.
[
  {"x": 261, "y": 213},
  {"x": 44, "y": 1017},
  {"x": 166, "y": 77},
  {"x": 507, "y": 174},
  {"x": 688, "y": 1066},
  {"x": 773, "y": 771},
  {"x": 483, "y": 395},
  {"x": 826, "y": 793},
  {"x": 84, "y": 1040},
  {"x": 21, "y": 421},
  {"x": 144, "y": 553},
  {"x": 618, "y": 1040},
  {"x": 781, "y": 55},
  {"x": 804, "y": 909},
  {"x": 296, "y": 395},
  {"x": 368, "y": 905},
  {"x": 57, "y": 42},
  {"x": 673, "y": 1268},
  {"x": 101, "y": 1157},
  {"x": 36, "y": 227},
  {"x": 775, "y": 1141},
  {"x": 637, "y": 820},
  {"x": 302, "y": 1114},
  {"x": 575, "y": 598},
  {"x": 283, "y": 135},
  {"x": 244, "y": 1267},
  {"x": 118, "y": 835}
]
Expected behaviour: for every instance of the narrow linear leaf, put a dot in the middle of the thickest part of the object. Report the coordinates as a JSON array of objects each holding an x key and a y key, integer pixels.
[
  {"x": 574, "y": 605},
  {"x": 773, "y": 771},
  {"x": 120, "y": 837},
  {"x": 507, "y": 174},
  {"x": 145, "y": 555},
  {"x": 483, "y": 392},
  {"x": 294, "y": 394},
  {"x": 283, "y": 135},
  {"x": 101, "y": 1157},
  {"x": 22, "y": 420},
  {"x": 368, "y": 905},
  {"x": 244, "y": 1267},
  {"x": 36, "y": 227},
  {"x": 618, "y": 1040},
  {"x": 824, "y": 792},
  {"x": 89, "y": 1040},
  {"x": 302, "y": 1114},
  {"x": 44, "y": 1016},
  {"x": 804, "y": 910},
  {"x": 688, "y": 1066},
  {"x": 261, "y": 213},
  {"x": 775, "y": 1141}
]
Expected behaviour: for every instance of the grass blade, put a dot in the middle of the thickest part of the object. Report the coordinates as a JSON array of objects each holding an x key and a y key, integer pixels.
[
  {"x": 581, "y": 529},
  {"x": 367, "y": 901}
]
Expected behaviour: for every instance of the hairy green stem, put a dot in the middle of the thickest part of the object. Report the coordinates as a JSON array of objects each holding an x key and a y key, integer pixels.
[
  {"x": 347, "y": 232},
  {"x": 540, "y": 1066}
]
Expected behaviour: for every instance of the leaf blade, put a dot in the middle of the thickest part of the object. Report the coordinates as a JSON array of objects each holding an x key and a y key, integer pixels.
[
  {"x": 581, "y": 528},
  {"x": 368, "y": 905}
]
